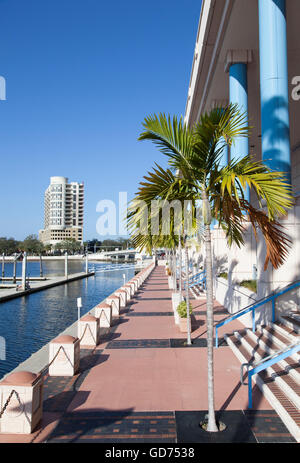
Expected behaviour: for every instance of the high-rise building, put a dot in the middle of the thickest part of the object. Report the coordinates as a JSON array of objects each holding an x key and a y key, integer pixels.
[{"x": 63, "y": 216}]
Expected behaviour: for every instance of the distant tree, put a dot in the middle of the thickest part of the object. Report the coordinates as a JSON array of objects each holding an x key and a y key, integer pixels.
[
  {"x": 92, "y": 245},
  {"x": 8, "y": 245},
  {"x": 122, "y": 243},
  {"x": 70, "y": 246},
  {"x": 32, "y": 245},
  {"x": 58, "y": 246},
  {"x": 48, "y": 248}
]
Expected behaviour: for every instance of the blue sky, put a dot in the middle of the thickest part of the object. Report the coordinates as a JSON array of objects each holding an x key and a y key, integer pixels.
[{"x": 81, "y": 76}]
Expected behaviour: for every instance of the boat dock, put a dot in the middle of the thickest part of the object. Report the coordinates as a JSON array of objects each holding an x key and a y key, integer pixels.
[{"x": 9, "y": 291}]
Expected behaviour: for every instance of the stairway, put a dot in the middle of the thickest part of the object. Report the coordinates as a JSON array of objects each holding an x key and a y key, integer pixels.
[
  {"x": 197, "y": 291},
  {"x": 280, "y": 383}
]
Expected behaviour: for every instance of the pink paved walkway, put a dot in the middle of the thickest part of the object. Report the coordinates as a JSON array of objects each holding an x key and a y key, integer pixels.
[{"x": 154, "y": 378}]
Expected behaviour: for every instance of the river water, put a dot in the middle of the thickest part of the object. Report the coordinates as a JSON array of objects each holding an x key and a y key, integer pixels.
[{"x": 29, "y": 322}]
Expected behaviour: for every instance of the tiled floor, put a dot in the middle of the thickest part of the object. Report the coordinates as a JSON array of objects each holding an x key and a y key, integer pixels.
[{"x": 142, "y": 384}]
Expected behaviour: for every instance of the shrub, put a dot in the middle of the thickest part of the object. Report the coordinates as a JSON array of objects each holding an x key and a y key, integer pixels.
[
  {"x": 181, "y": 309},
  {"x": 249, "y": 284},
  {"x": 223, "y": 275}
]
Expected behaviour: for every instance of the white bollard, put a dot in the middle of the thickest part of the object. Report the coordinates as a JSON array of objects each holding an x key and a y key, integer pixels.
[
  {"x": 89, "y": 330},
  {"x": 133, "y": 286},
  {"x": 123, "y": 297},
  {"x": 25, "y": 407},
  {"x": 103, "y": 311},
  {"x": 64, "y": 356},
  {"x": 128, "y": 291},
  {"x": 134, "y": 282},
  {"x": 114, "y": 301}
]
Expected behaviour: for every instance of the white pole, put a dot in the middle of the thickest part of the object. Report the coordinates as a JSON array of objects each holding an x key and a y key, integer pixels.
[
  {"x": 66, "y": 264},
  {"x": 124, "y": 277},
  {"x": 86, "y": 263},
  {"x": 24, "y": 263},
  {"x": 3, "y": 265},
  {"x": 79, "y": 305}
]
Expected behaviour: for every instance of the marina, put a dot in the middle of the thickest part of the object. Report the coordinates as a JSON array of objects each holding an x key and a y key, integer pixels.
[{"x": 32, "y": 319}]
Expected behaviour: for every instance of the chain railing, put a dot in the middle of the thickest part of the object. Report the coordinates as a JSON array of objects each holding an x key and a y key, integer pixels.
[
  {"x": 13, "y": 392},
  {"x": 83, "y": 334}
]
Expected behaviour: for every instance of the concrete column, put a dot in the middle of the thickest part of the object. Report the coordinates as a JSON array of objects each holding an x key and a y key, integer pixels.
[
  {"x": 238, "y": 93},
  {"x": 275, "y": 139},
  {"x": 86, "y": 263},
  {"x": 24, "y": 267},
  {"x": 15, "y": 271},
  {"x": 240, "y": 260},
  {"x": 66, "y": 264},
  {"x": 274, "y": 96},
  {"x": 41, "y": 266}
]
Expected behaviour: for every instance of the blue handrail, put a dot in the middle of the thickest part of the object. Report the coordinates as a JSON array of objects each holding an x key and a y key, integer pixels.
[
  {"x": 197, "y": 275},
  {"x": 254, "y": 306},
  {"x": 265, "y": 363},
  {"x": 199, "y": 278}
]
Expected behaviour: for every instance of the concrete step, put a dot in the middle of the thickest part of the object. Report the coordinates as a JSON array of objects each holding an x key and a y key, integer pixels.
[
  {"x": 282, "y": 372},
  {"x": 276, "y": 389},
  {"x": 198, "y": 292},
  {"x": 289, "y": 321},
  {"x": 285, "y": 331},
  {"x": 272, "y": 340}
]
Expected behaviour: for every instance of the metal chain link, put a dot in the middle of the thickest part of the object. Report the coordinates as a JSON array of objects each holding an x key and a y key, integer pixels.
[
  {"x": 85, "y": 328},
  {"x": 8, "y": 400},
  {"x": 102, "y": 310}
]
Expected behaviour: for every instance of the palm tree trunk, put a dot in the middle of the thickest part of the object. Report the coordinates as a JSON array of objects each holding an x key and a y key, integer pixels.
[
  {"x": 180, "y": 267},
  {"x": 175, "y": 270},
  {"x": 211, "y": 426},
  {"x": 187, "y": 296}
]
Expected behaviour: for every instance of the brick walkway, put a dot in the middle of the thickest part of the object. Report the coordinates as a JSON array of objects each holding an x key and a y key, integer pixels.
[{"x": 141, "y": 385}]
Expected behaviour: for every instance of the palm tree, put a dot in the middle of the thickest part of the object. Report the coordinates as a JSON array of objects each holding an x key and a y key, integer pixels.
[{"x": 196, "y": 154}]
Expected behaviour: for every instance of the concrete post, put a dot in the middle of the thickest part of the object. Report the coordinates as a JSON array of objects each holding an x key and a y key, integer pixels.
[
  {"x": 86, "y": 263},
  {"x": 25, "y": 407},
  {"x": 89, "y": 330},
  {"x": 24, "y": 266},
  {"x": 66, "y": 264},
  {"x": 41, "y": 266},
  {"x": 64, "y": 356},
  {"x": 15, "y": 271},
  {"x": 114, "y": 301},
  {"x": 3, "y": 266},
  {"x": 103, "y": 312}
]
